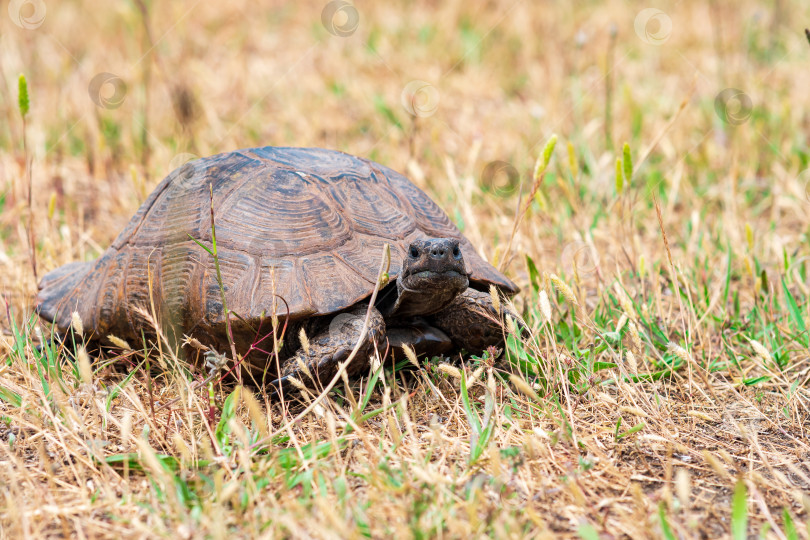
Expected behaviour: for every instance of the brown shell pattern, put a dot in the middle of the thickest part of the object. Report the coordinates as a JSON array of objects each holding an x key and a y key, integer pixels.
[{"x": 304, "y": 225}]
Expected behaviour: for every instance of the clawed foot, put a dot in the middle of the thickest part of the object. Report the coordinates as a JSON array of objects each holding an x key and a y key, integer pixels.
[
  {"x": 318, "y": 360},
  {"x": 475, "y": 323}
]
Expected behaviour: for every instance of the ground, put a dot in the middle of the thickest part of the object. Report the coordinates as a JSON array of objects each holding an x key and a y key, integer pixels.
[{"x": 640, "y": 171}]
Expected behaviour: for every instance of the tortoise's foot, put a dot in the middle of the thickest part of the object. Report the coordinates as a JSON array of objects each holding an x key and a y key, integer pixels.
[
  {"x": 315, "y": 366},
  {"x": 473, "y": 322},
  {"x": 423, "y": 338}
]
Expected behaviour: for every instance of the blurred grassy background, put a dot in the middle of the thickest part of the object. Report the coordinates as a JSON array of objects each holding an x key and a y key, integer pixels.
[
  {"x": 710, "y": 98},
  {"x": 181, "y": 80}
]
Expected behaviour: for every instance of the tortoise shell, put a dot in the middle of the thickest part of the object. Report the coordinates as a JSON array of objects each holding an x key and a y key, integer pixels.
[{"x": 299, "y": 231}]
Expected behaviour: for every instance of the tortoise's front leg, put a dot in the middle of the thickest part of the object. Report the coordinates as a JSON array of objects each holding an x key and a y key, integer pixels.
[
  {"x": 330, "y": 345},
  {"x": 472, "y": 321}
]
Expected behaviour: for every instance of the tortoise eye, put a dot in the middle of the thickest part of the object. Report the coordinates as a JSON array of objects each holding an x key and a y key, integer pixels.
[
  {"x": 456, "y": 252},
  {"x": 413, "y": 252}
]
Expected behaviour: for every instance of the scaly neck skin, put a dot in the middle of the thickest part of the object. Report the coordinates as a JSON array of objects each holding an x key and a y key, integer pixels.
[{"x": 428, "y": 300}]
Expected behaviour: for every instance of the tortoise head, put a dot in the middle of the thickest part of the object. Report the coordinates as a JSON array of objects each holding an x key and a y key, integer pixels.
[{"x": 433, "y": 274}]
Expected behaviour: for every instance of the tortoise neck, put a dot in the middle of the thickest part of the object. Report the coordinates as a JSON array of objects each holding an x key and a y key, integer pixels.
[{"x": 425, "y": 301}]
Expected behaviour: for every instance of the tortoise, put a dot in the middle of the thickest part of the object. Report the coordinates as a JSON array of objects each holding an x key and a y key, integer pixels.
[{"x": 299, "y": 233}]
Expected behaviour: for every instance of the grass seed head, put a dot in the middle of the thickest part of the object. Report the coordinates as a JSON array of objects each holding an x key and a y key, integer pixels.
[
  {"x": 52, "y": 205},
  {"x": 126, "y": 427},
  {"x": 303, "y": 367},
  {"x": 85, "y": 367},
  {"x": 619, "y": 177},
  {"x": 621, "y": 323},
  {"x": 548, "y": 150},
  {"x": 255, "y": 411},
  {"x": 76, "y": 324},
  {"x": 496, "y": 298},
  {"x": 627, "y": 163},
  {"x": 635, "y": 336},
  {"x": 23, "y": 99},
  {"x": 573, "y": 166},
  {"x": 491, "y": 381},
  {"x": 761, "y": 351},
  {"x": 302, "y": 337},
  {"x": 476, "y": 374},
  {"x": 715, "y": 464},
  {"x": 545, "y": 306},
  {"x": 702, "y": 415},
  {"x": 624, "y": 300},
  {"x": 630, "y": 358},
  {"x": 523, "y": 386},
  {"x": 181, "y": 447},
  {"x": 678, "y": 351},
  {"x": 450, "y": 370},
  {"x": 122, "y": 344},
  {"x": 563, "y": 288},
  {"x": 539, "y": 167},
  {"x": 510, "y": 325},
  {"x": 410, "y": 355}
]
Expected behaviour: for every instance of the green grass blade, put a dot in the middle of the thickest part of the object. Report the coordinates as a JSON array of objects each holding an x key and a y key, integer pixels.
[
  {"x": 120, "y": 386},
  {"x": 619, "y": 177},
  {"x": 206, "y": 248},
  {"x": 634, "y": 429},
  {"x": 472, "y": 416},
  {"x": 727, "y": 284},
  {"x": 228, "y": 412},
  {"x": 790, "y": 528},
  {"x": 23, "y": 100},
  {"x": 488, "y": 430},
  {"x": 534, "y": 274},
  {"x": 372, "y": 384},
  {"x": 666, "y": 530},
  {"x": 796, "y": 315},
  {"x": 739, "y": 511},
  {"x": 627, "y": 163},
  {"x": 12, "y": 398},
  {"x": 586, "y": 531}
]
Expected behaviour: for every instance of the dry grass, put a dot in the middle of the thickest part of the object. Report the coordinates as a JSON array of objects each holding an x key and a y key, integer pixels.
[{"x": 674, "y": 365}]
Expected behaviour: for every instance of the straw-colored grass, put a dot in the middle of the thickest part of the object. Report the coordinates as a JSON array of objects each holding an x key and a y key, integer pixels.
[{"x": 664, "y": 389}]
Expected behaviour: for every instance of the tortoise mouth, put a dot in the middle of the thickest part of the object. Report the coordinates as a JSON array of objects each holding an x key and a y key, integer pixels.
[
  {"x": 428, "y": 273},
  {"x": 444, "y": 280}
]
